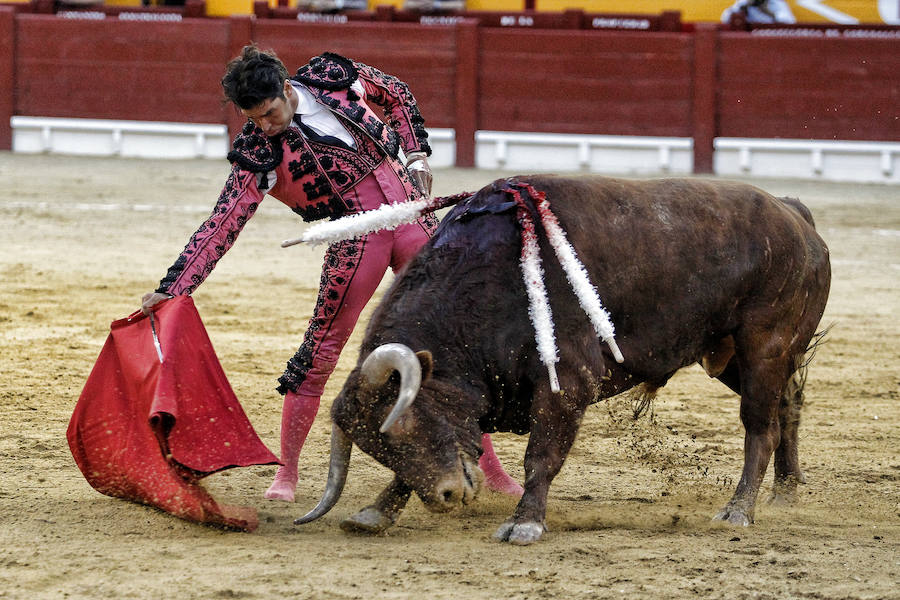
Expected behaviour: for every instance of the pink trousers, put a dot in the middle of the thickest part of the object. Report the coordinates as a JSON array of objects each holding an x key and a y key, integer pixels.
[{"x": 352, "y": 271}]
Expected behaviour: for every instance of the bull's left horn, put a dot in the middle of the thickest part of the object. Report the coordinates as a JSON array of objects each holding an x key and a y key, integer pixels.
[
  {"x": 341, "y": 446},
  {"x": 383, "y": 361}
]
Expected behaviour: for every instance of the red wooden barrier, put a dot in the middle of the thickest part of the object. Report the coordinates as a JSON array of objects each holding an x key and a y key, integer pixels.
[
  {"x": 240, "y": 33},
  {"x": 839, "y": 88},
  {"x": 703, "y": 113},
  {"x": 467, "y": 90},
  {"x": 617, "y": 83},
  {"x": 7, "y": 73},
  {"x": 693, "y": 82},
  {"x": 112, "y": 69}
]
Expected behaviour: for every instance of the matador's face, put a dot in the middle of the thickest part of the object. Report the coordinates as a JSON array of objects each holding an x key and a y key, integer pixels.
[{"x": 274, "y": 115}]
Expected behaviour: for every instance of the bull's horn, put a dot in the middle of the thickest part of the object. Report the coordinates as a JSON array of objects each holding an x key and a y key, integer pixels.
[
  {"x": 341, "y": 445},
  {"x": 383, "y": 361}
]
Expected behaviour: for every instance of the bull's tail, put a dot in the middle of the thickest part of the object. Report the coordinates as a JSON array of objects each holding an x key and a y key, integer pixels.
[
  {"x": 793, "y": 393},
  {"x": 800, "y": 208},
  {"x": 817, "y": 340}
]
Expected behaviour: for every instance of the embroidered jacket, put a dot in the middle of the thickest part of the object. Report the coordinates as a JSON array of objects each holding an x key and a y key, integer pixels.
[{"x": 311, "y": 177}]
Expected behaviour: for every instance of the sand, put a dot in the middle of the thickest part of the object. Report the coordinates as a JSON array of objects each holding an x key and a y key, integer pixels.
[{"x": 629, "y": 515}]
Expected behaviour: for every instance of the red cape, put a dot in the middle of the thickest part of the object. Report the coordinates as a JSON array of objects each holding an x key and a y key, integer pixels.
[{"x": 147, "y": 430}]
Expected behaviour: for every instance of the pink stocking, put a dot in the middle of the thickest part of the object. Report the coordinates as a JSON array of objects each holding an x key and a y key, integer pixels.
[
  {"x": 495, "y": 478},
  {"x": 297, "y": 417}
]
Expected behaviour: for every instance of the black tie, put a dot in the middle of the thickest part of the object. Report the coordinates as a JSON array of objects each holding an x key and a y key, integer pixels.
[{"x": 316, "y": 137}]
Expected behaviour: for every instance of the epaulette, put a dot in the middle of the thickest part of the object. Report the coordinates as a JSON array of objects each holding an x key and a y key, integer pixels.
[
  {"x": 254, "y": 151},
  {"x": 328, "y": 71}
]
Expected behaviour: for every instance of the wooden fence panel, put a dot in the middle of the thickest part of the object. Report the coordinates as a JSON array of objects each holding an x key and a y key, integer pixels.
[
  {"x": 616, "y": 83},
  {"x": 845, "y": 89},
  {"x": 112, "y": 69},
  {"x": 700, "y": 83}
]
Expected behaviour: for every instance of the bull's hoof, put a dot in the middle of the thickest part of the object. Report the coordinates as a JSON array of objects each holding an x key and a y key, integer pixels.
[
  {"x": 784, "y": 493},
  {"x": 520, "y": 534},
  {"x": 734, "y": 516},
  {"x": 368, "y": 520},
  {"x": 782, "y": 499},
  {"x": 783, "y": 496}
]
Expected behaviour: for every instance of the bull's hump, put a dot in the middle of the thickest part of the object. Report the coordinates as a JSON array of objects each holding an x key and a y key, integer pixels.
[{"x": 469, "y": 224}]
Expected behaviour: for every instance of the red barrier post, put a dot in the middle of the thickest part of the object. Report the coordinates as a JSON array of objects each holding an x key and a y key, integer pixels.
[
  {"x": 466, "y": 113},
  {"x": 194, "y": 9},
  {"x": 384, "y": 12},
  {"x": 43, "y": 7},
  {"x": 703, "y": 111},
  {"x": 261, "y": 9},
  {"x": 573, "y": 18},
  {"x": 7, "y": 74},
  {"x": 240, "y": 33},
  {"x": 670, "y": 20}
]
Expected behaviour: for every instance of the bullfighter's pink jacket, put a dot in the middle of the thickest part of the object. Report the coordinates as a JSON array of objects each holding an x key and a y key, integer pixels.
[{"x": 311, "y": 177}]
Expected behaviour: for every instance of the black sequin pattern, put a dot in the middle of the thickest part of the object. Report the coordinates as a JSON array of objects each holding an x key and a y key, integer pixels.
[
  {"x": 341, "y": 262},
  {"x": 303, "y": 166},
  {"x": 254, "y": 151},
  {"x": 374, "y": 127},
  {"x": 344, "y": 169},
  {"x": 322, "y": 200},
  {"x": 329, "y": 71},
  {"x": 415, "y": 116}
]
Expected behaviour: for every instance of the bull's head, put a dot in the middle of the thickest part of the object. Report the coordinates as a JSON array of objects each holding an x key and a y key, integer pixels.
[{"x": 417, "y": 426}]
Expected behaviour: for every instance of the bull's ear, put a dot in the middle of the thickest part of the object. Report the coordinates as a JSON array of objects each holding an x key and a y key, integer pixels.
[{"x": 427, "y": 362}]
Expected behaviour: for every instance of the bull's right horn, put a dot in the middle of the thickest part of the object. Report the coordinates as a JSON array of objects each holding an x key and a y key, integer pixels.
[
  {"x": 383, "y": 361},
  {"x": 341, "y": 445}
]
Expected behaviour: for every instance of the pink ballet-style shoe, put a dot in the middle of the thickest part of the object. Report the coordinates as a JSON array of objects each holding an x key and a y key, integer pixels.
[
  {"x": 495, "y": 478},
  {"x": 504, "y": 484},
  {"x": 282, "y": 487}
]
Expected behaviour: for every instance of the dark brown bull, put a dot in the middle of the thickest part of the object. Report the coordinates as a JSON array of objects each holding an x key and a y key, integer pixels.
[{"x": 720, "y": 273}]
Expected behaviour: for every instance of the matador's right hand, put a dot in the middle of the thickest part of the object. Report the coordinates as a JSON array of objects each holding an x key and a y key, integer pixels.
[{"x": 420, "y": 171}]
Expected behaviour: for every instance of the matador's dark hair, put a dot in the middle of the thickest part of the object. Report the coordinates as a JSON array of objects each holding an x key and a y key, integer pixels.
[{"x": 254, "y": 77}]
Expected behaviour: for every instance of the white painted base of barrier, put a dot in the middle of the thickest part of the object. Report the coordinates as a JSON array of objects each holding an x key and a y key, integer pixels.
[
  {"x": 443, "y": 147},
  {"x": 870, "y": 162},
  {"x": 524, "y": 152},
  {"x": 589, "y": 153},
  {"x": 140, "y": 139}
]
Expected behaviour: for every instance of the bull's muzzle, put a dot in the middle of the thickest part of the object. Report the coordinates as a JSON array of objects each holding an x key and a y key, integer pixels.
[{"x": 457, "y": 488}]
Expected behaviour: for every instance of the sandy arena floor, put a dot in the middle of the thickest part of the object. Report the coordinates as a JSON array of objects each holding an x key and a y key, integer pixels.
[{"x": 629, "y": 514}]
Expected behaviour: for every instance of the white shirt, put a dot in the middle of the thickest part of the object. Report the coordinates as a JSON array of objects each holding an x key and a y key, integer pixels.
[{"x": 320, "y": 119}]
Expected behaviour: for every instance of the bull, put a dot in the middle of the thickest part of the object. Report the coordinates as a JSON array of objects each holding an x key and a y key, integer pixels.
[{"x": 691, "y": 271}]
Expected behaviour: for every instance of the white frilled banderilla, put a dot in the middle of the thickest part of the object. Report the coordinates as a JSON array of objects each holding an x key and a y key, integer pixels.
[{"x": 390, "y": 216}]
